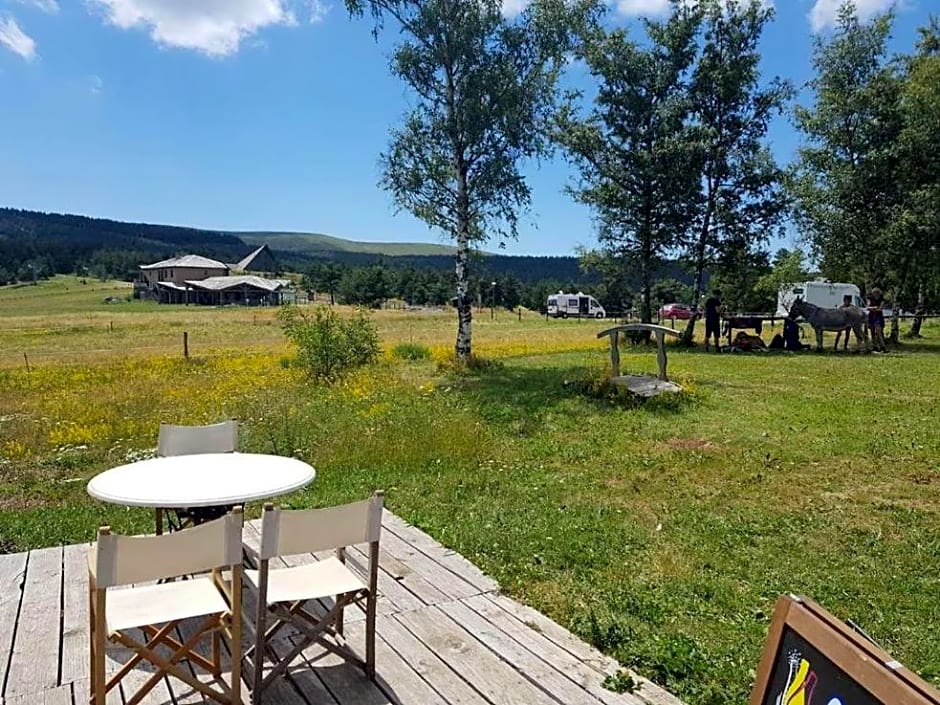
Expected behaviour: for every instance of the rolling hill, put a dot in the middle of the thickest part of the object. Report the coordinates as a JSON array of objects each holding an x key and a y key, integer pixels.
[
  {"x": 317, "y": 244},
  {"x": 34, "y": 243}
]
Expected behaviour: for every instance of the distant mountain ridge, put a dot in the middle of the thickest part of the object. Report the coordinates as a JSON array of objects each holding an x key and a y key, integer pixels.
[
  {"x": 64, "y": 243},
  {"x": 318, "y": 243}
]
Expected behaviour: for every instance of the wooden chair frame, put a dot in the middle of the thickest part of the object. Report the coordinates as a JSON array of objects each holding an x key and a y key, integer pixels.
[
  {"x": 174, "y": 440},
  {"x": 325, "y": 630},
  {"x": 213, "y": 626}
]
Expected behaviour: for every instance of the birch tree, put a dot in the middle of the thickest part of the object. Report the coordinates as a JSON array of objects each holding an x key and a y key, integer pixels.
[{"x": 483, "y": 88}]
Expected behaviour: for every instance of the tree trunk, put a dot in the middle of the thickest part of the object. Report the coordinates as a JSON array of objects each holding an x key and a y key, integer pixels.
[
  {"x": 646, "y": 314},
  {"x": 919, "y": 313},
  {"x": 689, "y": 335},
  {"x": 462, "y": 348},
  {"x": 895, "y": 336}
]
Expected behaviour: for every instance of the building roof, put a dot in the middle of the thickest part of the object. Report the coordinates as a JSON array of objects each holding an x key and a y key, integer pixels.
[
  {"x": 170, "y": 285},
  {"x": 246, "y": 262},
  {"x": 237, "y": 281},
  {"x": 193, "y": 261}
]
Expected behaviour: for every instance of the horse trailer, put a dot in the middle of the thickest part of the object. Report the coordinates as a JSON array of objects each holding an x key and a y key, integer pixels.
[
  {"x": 820, "y": 293},
  {"x": 562, "y": 305}
]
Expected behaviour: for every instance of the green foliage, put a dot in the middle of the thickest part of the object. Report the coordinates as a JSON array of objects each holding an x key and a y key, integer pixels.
[
  {"x": 474, "y": 365},
  {"x": 634, "y": 150},
  {"x": 411, "y": 351},
  {"x": 741, "y": 197},
  {"x": 328, "y": 346},
  {"x": 620, "y": 682},
  {"x": 670, "y": 290},
  {"x": 367, "y": 286},
  {"x": 846, "y": 180},
  {"x": 484, "y": 88},
  {"x": 665, "y": 540}
]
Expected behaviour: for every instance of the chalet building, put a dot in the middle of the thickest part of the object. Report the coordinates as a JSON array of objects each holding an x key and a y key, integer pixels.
[
  {"x": 193, "y": 279},
  {"x": 261, "y": 260}
]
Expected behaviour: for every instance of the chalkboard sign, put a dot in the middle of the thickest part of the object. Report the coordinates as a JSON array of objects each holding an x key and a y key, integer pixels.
[{"x": 812, "y": 658}]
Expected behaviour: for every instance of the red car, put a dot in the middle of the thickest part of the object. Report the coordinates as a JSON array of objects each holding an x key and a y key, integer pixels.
[{"x": 675, "y": 311}]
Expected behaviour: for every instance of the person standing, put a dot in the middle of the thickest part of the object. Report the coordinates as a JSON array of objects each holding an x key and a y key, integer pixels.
[
  {"x": 876, "y": 319},
  {"x": 846, "y": 303},
  {"x": 713, "y": 310}
]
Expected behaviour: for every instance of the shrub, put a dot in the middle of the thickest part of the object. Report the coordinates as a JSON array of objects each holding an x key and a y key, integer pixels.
[
  {"x": 477, "y": 365},
  {"x": 329, "y": 346},
  {"x": 411, "y": 351}
]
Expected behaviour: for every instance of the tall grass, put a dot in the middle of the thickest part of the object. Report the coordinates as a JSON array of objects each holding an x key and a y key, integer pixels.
[{"x": 662, "y": 533}]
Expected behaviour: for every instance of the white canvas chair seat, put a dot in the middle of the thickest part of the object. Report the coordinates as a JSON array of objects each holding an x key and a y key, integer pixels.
[
  {"x": 284, "y": 593},
  {"x": 308, "y": 582},
  {"x": 159, "y": 604},
  {"x": 120, "y": 607}
]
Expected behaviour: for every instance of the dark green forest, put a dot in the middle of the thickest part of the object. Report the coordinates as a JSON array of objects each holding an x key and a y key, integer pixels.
[{"x": 35, "y": 245}]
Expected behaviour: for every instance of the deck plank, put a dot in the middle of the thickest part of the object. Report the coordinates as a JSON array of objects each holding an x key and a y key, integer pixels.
[
  {"x": 74, "y": 614},
  {"x": 445, "y": 637},
  {"x": 427, "y": 664},
  {"x": 451, "y": 560},
  {"x": 532, "y": 639},
  {"x": 61, "y": 695},
  {"x": 34, "y": 663},
  {"x": 485, "y": 671},
  {"x": 531, "y": 667},
  {"x": 450, "y": 584},
  {"x": 648, "y": 691},
  {"x": 395, "y": 579},
  {"x": 345, "y": 681},
  {"x": 12, "y": 573},
  {"x": 394, "y": 676}
]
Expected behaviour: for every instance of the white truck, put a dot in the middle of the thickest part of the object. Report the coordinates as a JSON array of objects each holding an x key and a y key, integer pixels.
[
  {"x": 820, "y": 292},
  {"x": 562, "y": 305}
]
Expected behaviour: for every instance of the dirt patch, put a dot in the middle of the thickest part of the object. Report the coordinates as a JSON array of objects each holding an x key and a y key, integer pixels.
[
  {"x": 19, "y": 504},
  {"x": 690, "y": 444}
]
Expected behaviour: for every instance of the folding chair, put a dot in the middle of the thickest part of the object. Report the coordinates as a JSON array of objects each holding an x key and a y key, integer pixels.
[
  {"x": 156, "y": 610},
  {"x": 283, "y": 593},
  {"x": 192, "y": 440}
]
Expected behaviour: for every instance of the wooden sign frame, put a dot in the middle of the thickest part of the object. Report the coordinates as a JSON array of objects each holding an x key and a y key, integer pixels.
[{"x": 869, "y": 666}]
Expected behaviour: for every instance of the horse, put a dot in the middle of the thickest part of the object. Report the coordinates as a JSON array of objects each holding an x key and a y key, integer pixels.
[{"x": 831, "y": 319}]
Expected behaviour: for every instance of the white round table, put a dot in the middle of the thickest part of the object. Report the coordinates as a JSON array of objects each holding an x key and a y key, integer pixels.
[{"x": 205, "y": 480}]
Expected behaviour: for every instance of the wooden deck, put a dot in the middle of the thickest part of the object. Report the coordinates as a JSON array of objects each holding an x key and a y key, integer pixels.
[{"x": 446, "y": 637}]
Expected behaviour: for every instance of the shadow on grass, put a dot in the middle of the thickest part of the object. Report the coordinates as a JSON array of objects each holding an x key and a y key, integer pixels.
[{"x": 519, "y": 396}]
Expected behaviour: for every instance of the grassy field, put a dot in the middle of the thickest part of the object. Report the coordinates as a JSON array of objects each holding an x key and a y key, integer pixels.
[{"x": 662, "y": 533}]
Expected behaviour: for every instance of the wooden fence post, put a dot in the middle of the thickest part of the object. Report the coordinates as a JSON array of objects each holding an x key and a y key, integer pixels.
[
  {"x": 186, "y": 344},
  {"x": 615, "y": 354},
  {"x": 27, "y": 362}
]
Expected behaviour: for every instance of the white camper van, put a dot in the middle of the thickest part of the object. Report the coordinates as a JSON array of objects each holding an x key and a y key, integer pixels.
[
  {"x": 562, "y": 305},
  {"x": 821, "y": 293}
]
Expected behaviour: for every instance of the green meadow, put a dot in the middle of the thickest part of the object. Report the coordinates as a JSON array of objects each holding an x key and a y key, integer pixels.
[{"x": 661, "y": 532}]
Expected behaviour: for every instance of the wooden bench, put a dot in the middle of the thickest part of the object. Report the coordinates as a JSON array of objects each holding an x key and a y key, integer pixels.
[{"x": 641, "y": 384}]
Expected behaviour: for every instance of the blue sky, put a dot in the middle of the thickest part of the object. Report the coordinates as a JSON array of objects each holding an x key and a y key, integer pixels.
[{"x": 263, "y": 114}]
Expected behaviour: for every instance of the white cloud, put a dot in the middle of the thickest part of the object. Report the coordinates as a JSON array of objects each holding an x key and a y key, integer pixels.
[
  {"x": 16, "y": 40},
  {"x": 97, "y": 84},
  {"x": 642, "y": 7},
  {"x": 652, "y": 8},
  {"x": 318, "y": 10},
  {"x": 213, "y": 27},
  {"x": 826, "y": 12},
  {"x": 514, "y": 8},
  {"x": 50, "y": 6}
]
